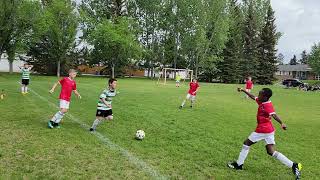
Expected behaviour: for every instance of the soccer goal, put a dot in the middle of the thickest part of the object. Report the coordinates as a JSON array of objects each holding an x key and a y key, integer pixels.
[{"x": 169, "y": 74}]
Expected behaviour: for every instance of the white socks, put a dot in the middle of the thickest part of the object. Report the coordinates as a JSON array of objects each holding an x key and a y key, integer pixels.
[
  {"x": 24, "y": 89},
  {"x": 282, "y": 158},
  {"x": 57, "y": 117},
  {"x": 95, "y": 123},
  {"x": 243, "y": 154},
  {"x": 184, "y": 101},
  {"x": 245, "y": 151}
]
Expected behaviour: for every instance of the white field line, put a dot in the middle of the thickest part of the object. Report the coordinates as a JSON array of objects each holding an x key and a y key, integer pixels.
[{"x": 106, "y": 141}]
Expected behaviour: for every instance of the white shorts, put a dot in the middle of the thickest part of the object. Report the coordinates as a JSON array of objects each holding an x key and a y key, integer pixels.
[
  {"x": 64, "y": 104},
  {"x": 191, "y": 97},
  {"x": 267, "y": 137},
  {"x": 248, "y": 90}
]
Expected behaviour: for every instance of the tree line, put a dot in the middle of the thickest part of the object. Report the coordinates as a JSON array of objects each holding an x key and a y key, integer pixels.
[{"x": 225, "y": 40}]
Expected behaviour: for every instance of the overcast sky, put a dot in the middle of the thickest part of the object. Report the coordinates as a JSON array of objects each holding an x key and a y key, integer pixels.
[{"x": 299, "y": 23}]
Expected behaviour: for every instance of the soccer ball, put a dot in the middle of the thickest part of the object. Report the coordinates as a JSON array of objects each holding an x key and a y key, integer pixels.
[{"x": 140, "y": 134}]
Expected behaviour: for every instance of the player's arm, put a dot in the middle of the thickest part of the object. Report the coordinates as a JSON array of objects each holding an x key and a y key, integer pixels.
[
  {"x": 77, "y": 93},
  {"x": 196, "y": 90},
  {"x": 277, "y": 118},
  {"x": 54, "y": 87},
  {"x": 249, "y": 94},
  {"x": 105, "y": 102}
]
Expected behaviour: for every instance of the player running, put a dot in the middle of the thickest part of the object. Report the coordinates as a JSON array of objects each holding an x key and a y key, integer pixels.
[
  {"x": 194, "y": 88},
  {"x": 265, "y": 131},
  {"x": 25, "y": 70},
  {"x": 178, "y": 79},
  {"x": 68, "y": 84},
  {"x": 104, "y": 107},
  {"x": 249, "y": 85}
]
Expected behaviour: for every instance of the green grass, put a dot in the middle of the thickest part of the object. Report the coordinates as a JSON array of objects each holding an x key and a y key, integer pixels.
[
  {"x": 180, "y": 144},
  {"x": 312, "y": 82}
]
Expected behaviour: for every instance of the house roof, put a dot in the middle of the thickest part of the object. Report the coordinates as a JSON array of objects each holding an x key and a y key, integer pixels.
[{"x": 298, "y": 67}]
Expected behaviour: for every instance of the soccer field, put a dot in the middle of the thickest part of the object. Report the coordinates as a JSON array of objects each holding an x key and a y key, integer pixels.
[{"x": 179, "y": 144}]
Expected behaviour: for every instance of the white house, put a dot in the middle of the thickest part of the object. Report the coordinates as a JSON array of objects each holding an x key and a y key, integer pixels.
[{"x": 4, "y": 64}]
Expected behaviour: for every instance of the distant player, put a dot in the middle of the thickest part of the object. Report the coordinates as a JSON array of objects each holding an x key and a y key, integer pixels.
[
  {"x": 25, "y": 70},
  {"x": 178, "y": 79},
  {"x": 249, "y": 85},
  {"x": 68, "y": 84},
  {"x": 194, "y": 88},
  {"x": 264, "y": 131},
  {"x": 104, "y": 107}
]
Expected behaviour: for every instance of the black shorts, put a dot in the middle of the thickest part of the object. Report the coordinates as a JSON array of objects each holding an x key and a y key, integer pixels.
[
  {"x": 25, "y": 82},
  {"x": 104, "y": 113}
]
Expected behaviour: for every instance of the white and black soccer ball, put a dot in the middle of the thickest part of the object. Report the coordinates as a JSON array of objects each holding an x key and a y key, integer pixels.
[{"x": 140, "y": 134}]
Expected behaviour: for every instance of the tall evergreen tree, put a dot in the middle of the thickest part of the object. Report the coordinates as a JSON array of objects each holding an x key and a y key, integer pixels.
[
  {"x": 249, "y": 64},
  {"x": 304, "y": 57},
  {"x": 232, "y": 54},
  {"x": 314, "y": 58},
  {"x": 293, "y": 61},
  {"x": 280, "y": 59},
  {"x": 267, "y": 50}
]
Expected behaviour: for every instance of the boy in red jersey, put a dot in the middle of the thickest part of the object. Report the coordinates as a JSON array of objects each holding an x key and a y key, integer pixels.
[
  {"x": 194, "y": 88},
  {"x": 249, "y": 85},
  {"x": 68, "y": 84},
  {"x": 264, "y": 131}
]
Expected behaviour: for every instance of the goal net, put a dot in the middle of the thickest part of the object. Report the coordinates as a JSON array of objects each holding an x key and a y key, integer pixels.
[{"x": 167, "y": 74}]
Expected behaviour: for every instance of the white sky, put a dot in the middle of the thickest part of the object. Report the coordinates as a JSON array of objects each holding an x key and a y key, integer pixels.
[{"x": 299, "y": 23}]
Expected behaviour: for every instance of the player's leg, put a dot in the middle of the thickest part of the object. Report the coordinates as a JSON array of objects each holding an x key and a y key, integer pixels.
[
  {"x": 248, "y": 90},
  {"x": 100, "y": 116},
  {"x": 252, "y": 139},
  {"x": 109, "y": 115},
  {"x": 184, "y": 101},
  {"x": 22, "y": 86},
  {"x": 193, "y": 100},
  {"x": 296, "y": 167},
  {"x": 96, "y": 122},
  {"x": 109, "y": 118},
  {"x": 56, "y": 119},
  {"x": 26, "y": 86}
]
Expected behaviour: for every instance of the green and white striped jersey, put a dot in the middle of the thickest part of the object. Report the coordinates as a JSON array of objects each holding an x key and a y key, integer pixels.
[
  {"x": 107, "y": 95},
  {"x": 25, "y": 73}
]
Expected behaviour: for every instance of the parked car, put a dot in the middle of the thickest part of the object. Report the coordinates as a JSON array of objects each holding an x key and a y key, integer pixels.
[{"x": 292, "y": 83}]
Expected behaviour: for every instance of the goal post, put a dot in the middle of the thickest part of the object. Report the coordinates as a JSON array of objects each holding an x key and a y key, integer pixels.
[{"x": 169, "y": 73}]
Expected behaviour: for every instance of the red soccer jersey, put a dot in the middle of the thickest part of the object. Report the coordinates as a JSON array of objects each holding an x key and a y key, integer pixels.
[
  {"x": 67, "y": 86},
  {"x": 265, "y": 111},
  {"x": 193, "y": 87},
  {"x": 249, "y": 84}
]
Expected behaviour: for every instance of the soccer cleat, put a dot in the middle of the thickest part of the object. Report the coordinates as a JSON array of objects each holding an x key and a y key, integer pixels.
[
  {"x": 92, "y": 130},
  {"x": 296, "y": 169},
  {"x": 234, "y": 165},
  {"x": 180, "y": 107},
  {"x": 50, "y": 125},
  {"x": 55, "y": 125},
  {"x": 191, "y": 106}
]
